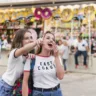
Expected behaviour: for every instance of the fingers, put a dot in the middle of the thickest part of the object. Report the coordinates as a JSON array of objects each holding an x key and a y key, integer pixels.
[
  {"x": 39, "y": 42},
  {"x": 31, "y": 56},
  {"x": 55, "y": 46},
  {"x": 55, "y": 50}
]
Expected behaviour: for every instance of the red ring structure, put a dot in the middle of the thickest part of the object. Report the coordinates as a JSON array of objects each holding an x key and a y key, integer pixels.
[
  {"x": 46, "y": 13},
  {"x": 38, "y": 13}
]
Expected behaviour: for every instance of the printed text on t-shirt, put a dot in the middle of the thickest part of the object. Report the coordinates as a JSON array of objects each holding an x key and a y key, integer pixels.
[{"x": 46, "y": 65}]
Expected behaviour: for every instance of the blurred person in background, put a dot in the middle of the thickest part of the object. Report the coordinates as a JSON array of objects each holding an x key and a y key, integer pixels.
[
  {"x": 4, "y": 43},
  {"x": 60, "y": 47},
  {"x": 65, "y": 54},
  {"x": 81, "y": 49}
]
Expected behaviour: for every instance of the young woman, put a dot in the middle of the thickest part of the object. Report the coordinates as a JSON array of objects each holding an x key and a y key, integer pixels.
[
  {"x": 47, "y": 70},
  {"x": 22, "y": 44}
]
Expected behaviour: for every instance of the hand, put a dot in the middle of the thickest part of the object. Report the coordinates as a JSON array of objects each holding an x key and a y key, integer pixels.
[
  {"x": 55, "y": 50},
  {"x": 39, "y": 42},
  {"x": 30, "y": 56}
]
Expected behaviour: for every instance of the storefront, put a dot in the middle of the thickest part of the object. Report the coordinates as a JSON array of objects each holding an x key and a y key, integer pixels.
[{"x": 64, "y": 18}]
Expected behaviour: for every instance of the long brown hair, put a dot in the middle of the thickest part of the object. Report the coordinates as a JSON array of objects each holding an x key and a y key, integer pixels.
[
  {"x": 39, "y": 49},
  {"x": 18, "y": 39}
]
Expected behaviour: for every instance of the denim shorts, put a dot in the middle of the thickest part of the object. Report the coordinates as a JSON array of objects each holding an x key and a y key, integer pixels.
[
  {"x": 5, "y": 89},
  {"x": 47, "y": 93}
]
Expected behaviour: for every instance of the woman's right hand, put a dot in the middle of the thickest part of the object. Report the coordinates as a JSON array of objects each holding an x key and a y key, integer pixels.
[
  {"x": 39, "y": 41},
  {"x": 55, "y": 50}
]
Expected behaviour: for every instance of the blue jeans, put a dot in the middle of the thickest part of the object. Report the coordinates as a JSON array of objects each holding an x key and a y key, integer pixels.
[
  {"x": 47, "y": 93},
  {"x": 78, "y": 53},
  {"x": 5, "y": 89},
  {"x": 64, "y": 63}
]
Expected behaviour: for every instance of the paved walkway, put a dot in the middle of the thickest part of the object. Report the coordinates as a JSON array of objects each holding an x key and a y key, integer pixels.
[{"x": 78, "y": 84}]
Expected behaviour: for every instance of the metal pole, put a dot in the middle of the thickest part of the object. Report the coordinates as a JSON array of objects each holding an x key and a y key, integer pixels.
[
  {"x": 89, "y": 27},
  {"x": 56, "y": 27},
  {"x": 89, "y": 23},
  {"x": 71, "y": 28}
]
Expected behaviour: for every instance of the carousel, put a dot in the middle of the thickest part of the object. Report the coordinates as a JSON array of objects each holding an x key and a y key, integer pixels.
[{"x": 63, "y": 20}]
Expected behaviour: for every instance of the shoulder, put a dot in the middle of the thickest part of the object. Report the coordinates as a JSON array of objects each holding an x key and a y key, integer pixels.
[
  {"x": 39, "y": 58},
  {"x": 84, "y": 41},
  {"x": 52, "y": 58},
  {"x": 12, "y": 53},
  {"x": 27, "y": 65}
]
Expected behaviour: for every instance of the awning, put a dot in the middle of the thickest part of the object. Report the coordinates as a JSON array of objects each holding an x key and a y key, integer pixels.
[{"x": 26, "y": 3}]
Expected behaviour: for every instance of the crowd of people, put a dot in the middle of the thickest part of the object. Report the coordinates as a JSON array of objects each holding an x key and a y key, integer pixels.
[{"x": 78, "y": 46}]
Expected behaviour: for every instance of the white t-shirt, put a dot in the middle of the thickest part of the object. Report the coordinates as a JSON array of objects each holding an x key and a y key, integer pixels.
[
  {"x": 82, "y": 45},
  {"x": 15, "y": 68},
  {"x": 66, "y": 52},
  {"x": 70, "y": 42},
  {"x": 4, "y": 44},
  {"x": 64, "y": 49},
  {"x": 44, "y": 72},
  {"x": 60, "y": 48}
]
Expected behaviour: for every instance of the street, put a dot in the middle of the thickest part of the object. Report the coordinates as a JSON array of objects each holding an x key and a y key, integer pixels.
[
  {"x": 78, "y": 84},
  {"x": 73, "y": 84}
]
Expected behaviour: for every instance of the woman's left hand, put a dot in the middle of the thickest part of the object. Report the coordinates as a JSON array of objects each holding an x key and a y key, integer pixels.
[{"x": 30, "y": 56}]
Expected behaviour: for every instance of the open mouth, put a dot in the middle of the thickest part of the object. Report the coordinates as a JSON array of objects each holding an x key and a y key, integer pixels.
[{"x": 50, "y": 45}]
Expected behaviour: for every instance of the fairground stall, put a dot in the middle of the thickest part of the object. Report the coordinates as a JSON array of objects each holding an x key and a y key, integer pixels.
[{"x": 66, "y": 18}]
